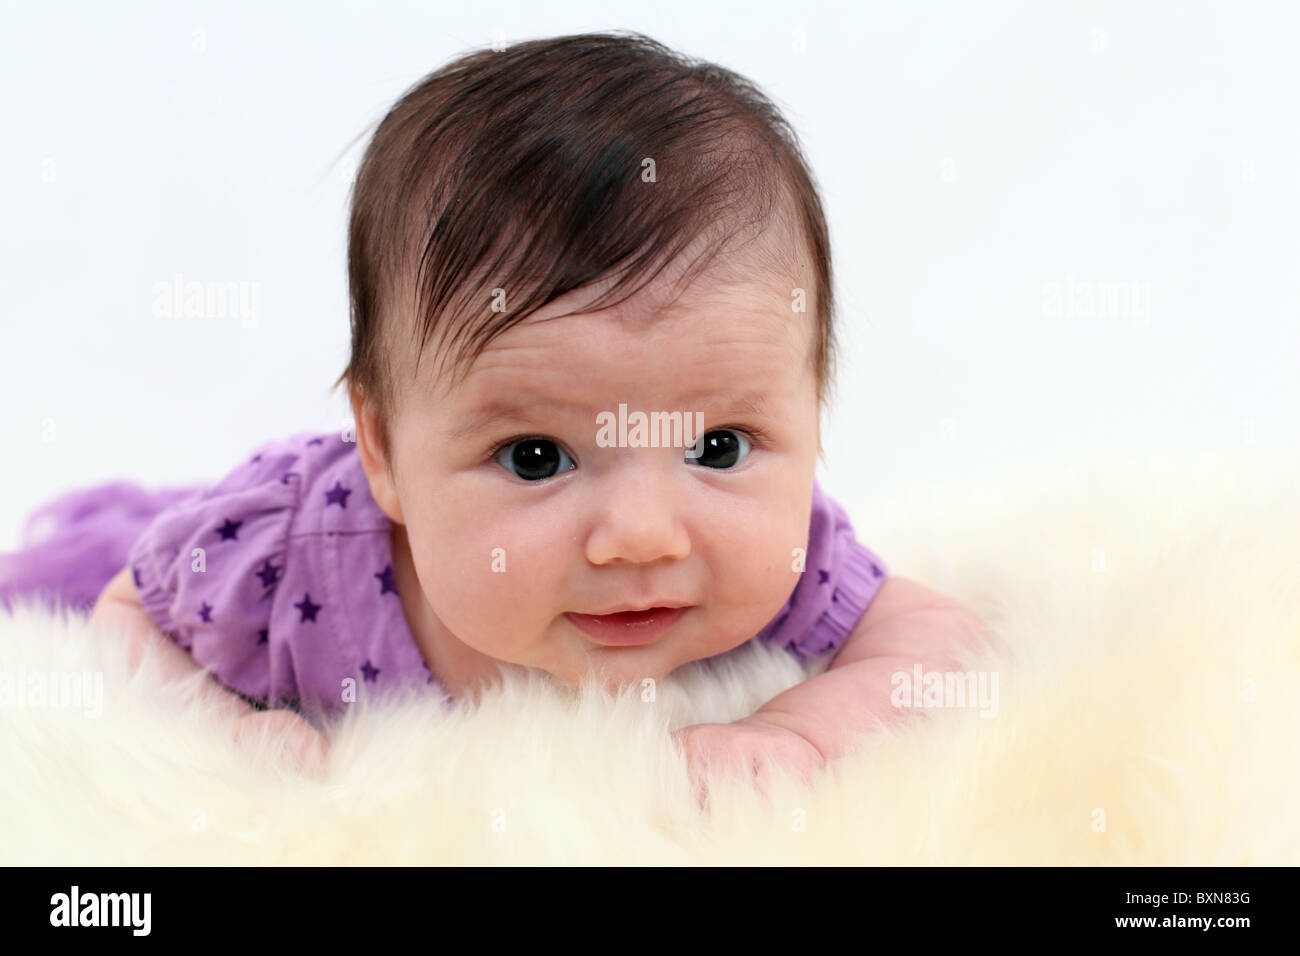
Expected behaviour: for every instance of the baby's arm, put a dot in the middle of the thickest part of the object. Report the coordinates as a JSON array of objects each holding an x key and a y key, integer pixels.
[
  {"x": 118, "y": 611},
  {"x": 905, "y": 624}
]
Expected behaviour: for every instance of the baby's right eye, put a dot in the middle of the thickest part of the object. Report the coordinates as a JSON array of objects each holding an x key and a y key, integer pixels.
[{"x": 532, "y": 459}]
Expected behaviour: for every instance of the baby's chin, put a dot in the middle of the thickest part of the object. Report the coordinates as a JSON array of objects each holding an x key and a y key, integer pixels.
[
  {"x": 617, "y": 671},
  {"x": 622, "y": 669}
]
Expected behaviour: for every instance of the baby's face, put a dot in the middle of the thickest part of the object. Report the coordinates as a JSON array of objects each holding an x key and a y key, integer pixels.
[{"x": 515, "y": 523}]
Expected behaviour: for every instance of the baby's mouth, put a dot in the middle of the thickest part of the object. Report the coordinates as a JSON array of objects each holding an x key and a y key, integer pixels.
[{"x": 628, "y": 627}]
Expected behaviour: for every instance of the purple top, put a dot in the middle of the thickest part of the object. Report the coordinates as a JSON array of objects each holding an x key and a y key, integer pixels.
[{"x": 296, "y": 592}]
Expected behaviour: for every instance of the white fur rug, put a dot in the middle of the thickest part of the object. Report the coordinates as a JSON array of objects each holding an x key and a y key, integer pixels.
[{"x": 1149, "y": 685}]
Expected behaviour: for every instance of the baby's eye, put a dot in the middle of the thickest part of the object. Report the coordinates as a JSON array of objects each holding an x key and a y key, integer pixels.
[
  {"x": 721, "y": 449},
  {"x": 534, "y": 458}
]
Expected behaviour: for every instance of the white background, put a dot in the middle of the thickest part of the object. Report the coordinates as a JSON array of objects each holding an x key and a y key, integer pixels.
[{"x": 973, "y": 159}]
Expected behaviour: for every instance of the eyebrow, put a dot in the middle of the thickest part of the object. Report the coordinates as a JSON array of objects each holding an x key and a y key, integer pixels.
[{"x": 501, "y": 411}]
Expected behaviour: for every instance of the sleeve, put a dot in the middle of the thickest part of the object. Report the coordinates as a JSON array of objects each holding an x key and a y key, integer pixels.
[
  {"x": 206, "y": 567},
  {"x": 839, "y": 581}
]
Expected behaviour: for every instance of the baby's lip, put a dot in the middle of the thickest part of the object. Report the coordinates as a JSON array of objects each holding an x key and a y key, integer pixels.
[
  {"x": 634, "y": 607},
  {"x": 628, "y": 628}
]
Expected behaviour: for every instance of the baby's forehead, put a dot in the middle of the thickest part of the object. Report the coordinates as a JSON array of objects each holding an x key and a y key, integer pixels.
[
  {"x": 764, "y": 269},
  {"x": 587, "y": 361},
  {"x": 752, "y": 297}
]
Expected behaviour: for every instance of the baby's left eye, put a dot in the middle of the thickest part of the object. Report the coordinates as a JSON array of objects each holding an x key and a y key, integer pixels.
[{"x": 721, "y": 448}]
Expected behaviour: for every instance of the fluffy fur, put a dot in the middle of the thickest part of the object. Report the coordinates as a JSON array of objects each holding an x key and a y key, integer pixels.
[{"x": 1149, "y": 670}]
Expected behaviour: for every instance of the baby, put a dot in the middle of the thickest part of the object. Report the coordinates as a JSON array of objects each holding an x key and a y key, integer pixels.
[{"x": 544, "y": 241}]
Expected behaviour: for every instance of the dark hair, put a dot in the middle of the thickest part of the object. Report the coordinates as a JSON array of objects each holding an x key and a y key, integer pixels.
[{"x": 524, "y": 166}]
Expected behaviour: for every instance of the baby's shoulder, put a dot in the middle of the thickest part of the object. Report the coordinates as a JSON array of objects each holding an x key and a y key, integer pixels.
[
  {"x": 307, "y": 484},
  {"x": 840, "y": 578},
  {"x": 231, "y": 571},
  {"x": 321, "y": 472},
  {"x": 299, "y": 460},
  {"x": 333, "y": 492}
]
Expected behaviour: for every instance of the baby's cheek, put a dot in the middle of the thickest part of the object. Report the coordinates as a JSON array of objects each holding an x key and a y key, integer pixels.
[
  {"x": 752, "y": 578},
  {"x": 497, "y": 592}
]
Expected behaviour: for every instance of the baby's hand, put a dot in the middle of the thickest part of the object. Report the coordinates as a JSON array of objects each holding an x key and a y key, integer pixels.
[
  {"x": 752, "y": 747},
  {"x": 119, "y": 615},
  {"x": 287, "y": 733}
]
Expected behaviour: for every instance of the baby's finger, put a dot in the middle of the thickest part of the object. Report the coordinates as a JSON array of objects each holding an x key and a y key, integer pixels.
[{"x": 703, "y": 745}]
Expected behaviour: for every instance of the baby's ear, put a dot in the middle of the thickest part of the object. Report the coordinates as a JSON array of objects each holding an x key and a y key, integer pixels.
[
  {"x": 374, "y": 459},
  {"x": 357, "y": 401}
]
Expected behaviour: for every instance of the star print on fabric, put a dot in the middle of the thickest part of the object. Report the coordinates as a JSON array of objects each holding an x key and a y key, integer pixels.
[
  {"x": 338, "y": 495},
  {"x": 368, "y": 672},
  {"x": 269, "y": 573},
  {"x": 835, "y": 595},
  {"x": 823, "y": 577},
  {"x": 255, "y": 459},
  {"x": 135, "y": 576},
  {"x": 229, "y": 530},
  {"x": 307, "y": 608},
  {"x": 284, "y": 479},
  {"x": 876, "y": 572},
  {"x": 316, "y": 441},
  {"x": 386, "y": 580},
  {"x": 205, "y": 612},
  {"x": 262, "y": 635}
]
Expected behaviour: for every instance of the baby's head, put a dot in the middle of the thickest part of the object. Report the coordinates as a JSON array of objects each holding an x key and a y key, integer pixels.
[{"x": 540, "y": 237}]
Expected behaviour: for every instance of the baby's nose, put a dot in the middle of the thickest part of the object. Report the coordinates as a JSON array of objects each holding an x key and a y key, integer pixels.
[{"x": 638, "y": 520}]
